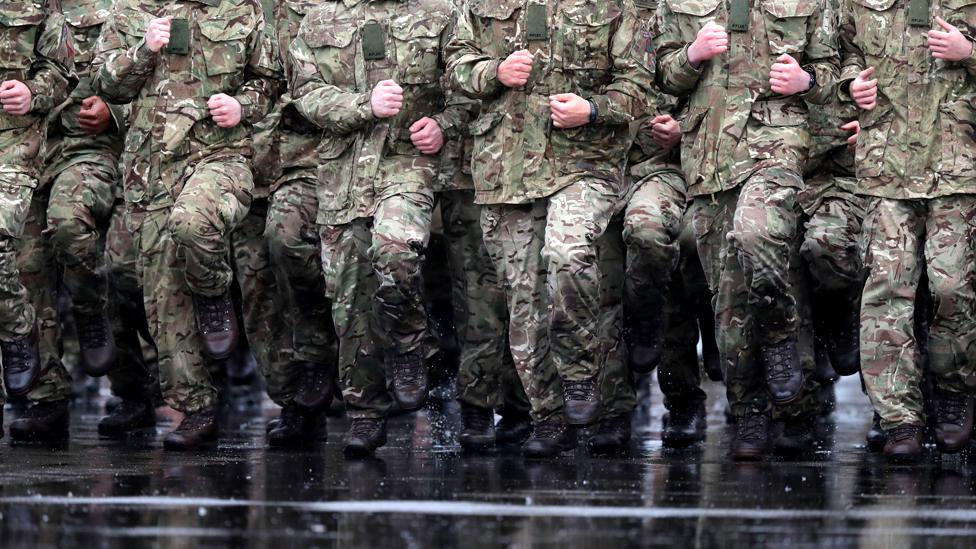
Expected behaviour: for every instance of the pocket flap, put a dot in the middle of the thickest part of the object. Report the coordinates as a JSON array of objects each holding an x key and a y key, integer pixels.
[
  {"x": 225, "y": 30},
  {"x": 957, "y": 4},
  {"x": 332, "y": 147},
  {"x": 485, "y": 123},
  {"x": 783, "y": 9},
  {"x": 593, "y": 15},
  {"x": 301, "y": 7},
  {"x": 411, "y": 26},
  {"x": 318, "y": 34},
  {"x": 84, "y": 15},
  {"x": 876, "y": 5},
  {"x": 694, "y": 7},
  {"x": 780, "y": 113},
  {"x": 132, "y": 22},
  {"x": 20, "y": 14},
  {"x": 495, "y": 9},
  {"x": 692, "y": 119}
]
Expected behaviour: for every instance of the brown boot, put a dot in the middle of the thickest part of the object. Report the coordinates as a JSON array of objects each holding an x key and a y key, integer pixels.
[
  {"x": 410, "y": 381},
  {"x": 195, "y": 430},
  {"x": 96, "y": 342},
  {"x": 365, "y": 435},
  {"x": 904, "y": 443},
  {"x": 751, "y": 437},
  {"x": 217, "y": 323},
  {"x": 21, "y": 364},
  {"x": 582, "y": 403},
  {"x": 314, "y": 385},
  {"x": 955, "y": 422}
]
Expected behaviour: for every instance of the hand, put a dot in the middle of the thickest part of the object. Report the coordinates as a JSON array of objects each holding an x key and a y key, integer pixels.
[
  {"x": 157, "y": 35},
  {"x": 787, "y": 77},
  {"x": 225, "y": 110},
  {"x": 569, "y": 110},
  {"x": 864, "y": 90},
  {"x": 855, "y": 127},
  {"x": 427, "y": 136},
  {"x": 514, "y": 71},
  {"x": 15, "y": 97},
  {"x": 94, "y": 117},
  {"x": 665, "y": 131},
  {"x": 950, "y": 45},
  {"x": 712, "y": 41},
  {"x": 386, "y": 99}
]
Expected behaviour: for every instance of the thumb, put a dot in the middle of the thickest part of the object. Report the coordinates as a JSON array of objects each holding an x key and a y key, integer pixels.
[
  {"x": 942, "y": 23},
  {"x": 850, "y": 126},
  {"x": 418, "y": 125},
  {"x": 88, "y": 102},
  {"x": 660, "y": 119},
  {"x": 7, "y": 84},
  {"x": 786, "y": 59},
  {"x": 866, "y": 74},
  {"x": 562, "y": 97}
]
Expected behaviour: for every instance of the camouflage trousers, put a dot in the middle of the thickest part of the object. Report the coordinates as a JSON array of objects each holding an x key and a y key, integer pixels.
[
  {"x": 897, "y": 235},
  {"x": 183, "y": 250},
  {"x": 134, "y": 376},
  {"x": 749, "y": 249},
  {"x": 17, "y": 315},
  {"x": 268, "y": 326},
  {"x": 617, "y": 387},
  {"x": 82, "y": 197},
  {"x": 295, "y": 247},
  {"x": 372, "y": 271},
  {"x": 486, "y": 374},
  {"x": 39, "y": 274},
  {"x": 546, "y": 256}
]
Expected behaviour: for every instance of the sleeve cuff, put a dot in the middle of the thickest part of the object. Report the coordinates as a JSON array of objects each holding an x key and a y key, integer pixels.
[{"x": 447, "y": 126}]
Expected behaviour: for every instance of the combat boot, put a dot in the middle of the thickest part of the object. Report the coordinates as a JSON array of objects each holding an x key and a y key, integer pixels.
[
  {"x": 549, "y": 439},
  {"x": 21, "y": 361},
  {"x": 751, "y": 437},
  {"x": 685, "y": 425},
  {"x": 314, "y": 384},
  {"x": 43, "y": 421},
  {"x": 96, "y": 342},
  {"x": 645, "y": 342},
  {"x": 842, "y": 334},
  {"x": 784, "y": 377},
  {"x": 876, "y": 436},
  {"x": 478, "y": 427},
  {"x": 293, "y": 427},
  {"x": 903, "y": 443},
  {"x": 194, "y": 431},
  {"x": 410, "y": 381},
  {"x": 217, "y": 324},
  {"x": 130, "y": 417},
  {"x": 365, "y": 435},
  {"x": 513, "y": 428},
  {"x": 955, "y": 422},
  {"x": 612, "y": 436},
  {"x": 797, "y": 436},
  {"x": 582, "y": 401}
]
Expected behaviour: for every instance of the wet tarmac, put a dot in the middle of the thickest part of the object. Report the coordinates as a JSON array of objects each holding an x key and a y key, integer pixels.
[{"x": 421, "y": 491}]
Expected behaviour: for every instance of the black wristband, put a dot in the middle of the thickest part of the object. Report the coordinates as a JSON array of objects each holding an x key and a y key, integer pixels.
[
  {"x": 813, "y": 79},
  {"x": 594, "y": 113}
]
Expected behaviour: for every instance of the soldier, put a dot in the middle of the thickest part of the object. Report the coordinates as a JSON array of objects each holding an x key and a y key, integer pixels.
[
  {"x": 910, "y": 67},
  {"x": 36, "y": 53},
  {"x": 285, "y": 166},
  {"x": 198, "y": 74},
  {"x": 560, "y": 82},
  {"x": 744, "y": 141},
  {"x": 369, "y": 74}
]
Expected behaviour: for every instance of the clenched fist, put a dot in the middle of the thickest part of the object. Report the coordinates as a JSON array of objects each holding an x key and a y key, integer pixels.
[
  {"x": 225, "y": 110},
  {"x": 157, "y": 35},
  {"x": 569, "y": 110},
  {"x": 15, "y": 97},
  {"x": 515, "y": 70},
  {"x": 712, "y": 41},
  {"x": 950, "y": 45},
  {"x": 864, "y": 89},
  {"x": 665, "y": 131},
  {"x": 386, "y": 99},
  {"x": 426, "y": 135},
  {"x": 94, "y": 116},
  {"x": 787, "y": 77},
  {"x": 854, "y": 127}
]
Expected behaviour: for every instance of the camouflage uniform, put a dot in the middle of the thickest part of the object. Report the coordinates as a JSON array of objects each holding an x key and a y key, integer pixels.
[
  {"x": 616, "y": 383},
  {"x": 743, "y": 149},
  {"x": 551, "y": 193},
  {"x": 36, "y": 49},
  {"x": 187, "y": 181},
  {"x": 375, "y": 188},
  {"x": 916, "y": 164}
]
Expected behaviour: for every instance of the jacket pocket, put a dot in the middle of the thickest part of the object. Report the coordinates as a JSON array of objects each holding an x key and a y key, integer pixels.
[{"x": 786, "y": 25}]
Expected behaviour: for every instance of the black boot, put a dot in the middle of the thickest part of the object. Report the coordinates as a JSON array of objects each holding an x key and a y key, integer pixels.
[
  {"x": 876, "y": 436},
  {"x": 130, "y": 417},
  {"x": 784, "y": 377},
  {"x": 43, "y": 421},
  {"x": 645, "y": 343},
  {"x": 196, "y": 430},
  {"x": 513, "y": 428},
  {"x": 841, "y": 332},
  {"x": 217, "y": 323},
  {"x": 955, "y": 422},
  {"x": 685, "y": 425},
  {"x": 478, "y": 427},
  {"x": 751, "y": 437},
  {"x": 549, "y": 439},
  {"x": 612, "y": 436},
  {"x": 365, "y": 435},
  {"x": 296, "y": 426},
  {"x": 410, "y": 381},
  {"x": 96, "y": 342},
  {"x": 581, "y": 401},
  {"x": 797, "y": 436},
  {"x": 21, "y": 361},
  {"x": 315, "y": 385}
]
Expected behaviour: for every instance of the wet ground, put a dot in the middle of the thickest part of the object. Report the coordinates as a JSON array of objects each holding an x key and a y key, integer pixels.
[{"x": 421, "y": 491}]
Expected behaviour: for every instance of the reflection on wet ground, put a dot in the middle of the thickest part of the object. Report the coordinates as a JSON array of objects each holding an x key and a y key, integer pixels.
[{"x": 422, "y": 491}]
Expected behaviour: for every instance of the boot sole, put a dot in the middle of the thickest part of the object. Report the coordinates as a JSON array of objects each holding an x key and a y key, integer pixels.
[
  {"x": 172, "y": 447},
  {"x": 681, "y": 442},
  {"x": 139, "y": 432}
]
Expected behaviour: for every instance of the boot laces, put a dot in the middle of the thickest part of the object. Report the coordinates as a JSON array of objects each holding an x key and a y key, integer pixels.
[
  {"x": 477, "y": 418},
  {"x": 548, "y": 430},
  {"x": 579, "y": 390},
  {"x": 752, "y": 427},
  {"x": 17, "y": 355},
  {"x": 213, "y": 313},
  {"x": 310, "y": 378},
  {"x": 92, "y": 330},
  {"x": 364, "y": 427},
  {"x": 194, "y": 422},
  {"x": 778, "y": 361},
  {"x": 952, "y": 408},
  {"x": 903, "y": 432},
  {"x": 290, "y": 416},
  {"x": 128, "y": 408},
  {"x": 409, "y": 370}
]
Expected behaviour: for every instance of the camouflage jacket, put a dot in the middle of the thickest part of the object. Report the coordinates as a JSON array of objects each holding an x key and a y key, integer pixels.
[
  {"x": 597, "y": 50},
  {"x": 364, "y": 159},
  {"x": 918, "y": 141},
  {"x": 36, "y": 49},
  {"x": 735, "y": 123},
  {"x": 170, "y": 126},
  {"x": 67, "y": 143}
]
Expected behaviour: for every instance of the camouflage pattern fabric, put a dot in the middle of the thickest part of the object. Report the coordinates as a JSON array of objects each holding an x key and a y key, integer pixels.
[
  {"x": 372, "y": 273},
  {"x": 617, "y": 389},
  {"x": 897, "y": 234}
]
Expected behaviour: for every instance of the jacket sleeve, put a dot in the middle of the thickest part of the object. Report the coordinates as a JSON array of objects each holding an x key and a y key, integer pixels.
[
  {"x": 821, "y": 54},
  {"x": 630, "y": 94},
  {"x": 852, "y": 58},
  {"x": 470, "y": 69},
  {"x": 262, "y": 74},
  {"x": 49, "y": 74},
  {"x": 120, "y": 73},
  {"x": 459, "y": 109},
  {"x": 675, "y": 75}
]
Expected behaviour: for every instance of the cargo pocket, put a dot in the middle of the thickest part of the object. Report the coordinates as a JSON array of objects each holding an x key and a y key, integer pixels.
[{"x": 786, "y": 25}]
